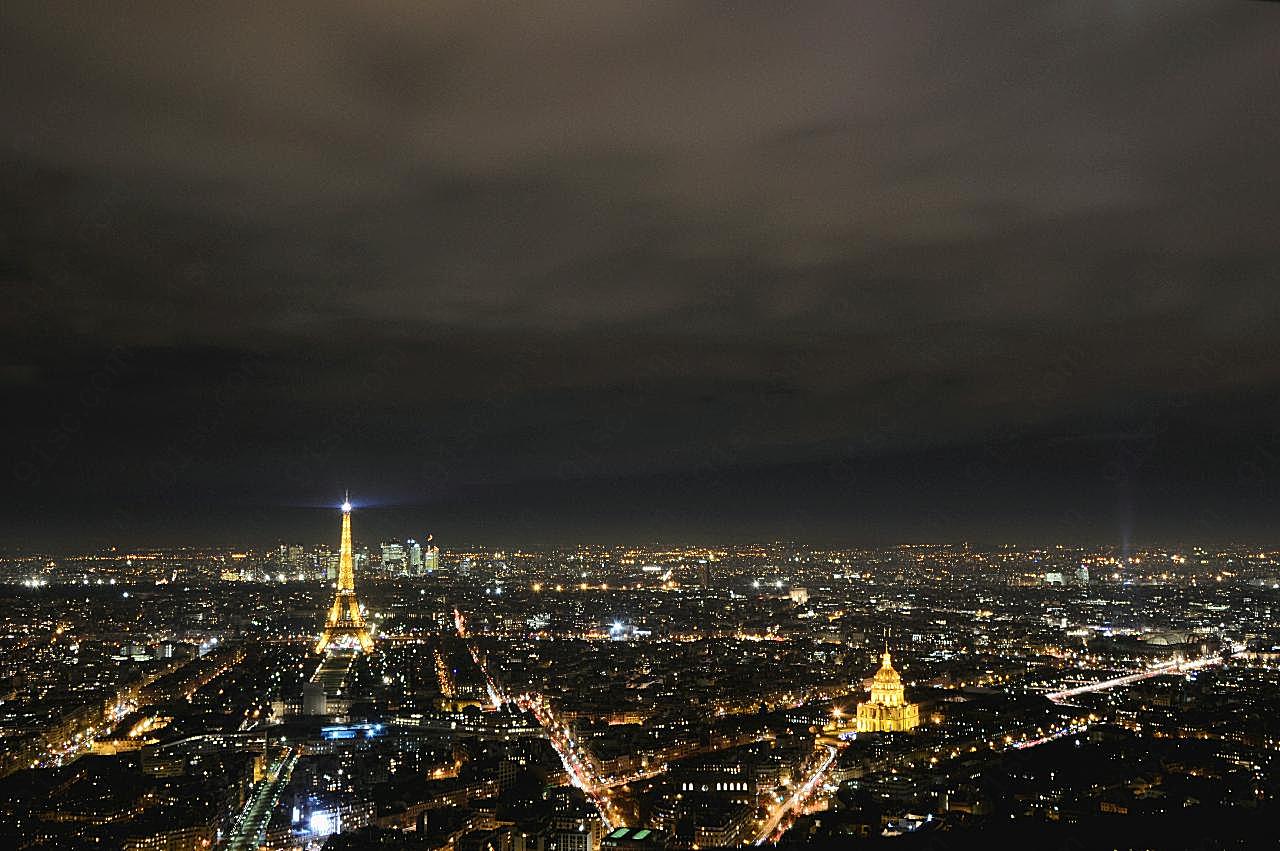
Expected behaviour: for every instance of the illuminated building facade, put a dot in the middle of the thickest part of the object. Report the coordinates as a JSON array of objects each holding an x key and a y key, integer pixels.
[
  {"x": 887, "y": 711},
  {"x": 394, "y": 557},
  {"x": 345, "y": 625},
  {"x": 430, "y": 556}
]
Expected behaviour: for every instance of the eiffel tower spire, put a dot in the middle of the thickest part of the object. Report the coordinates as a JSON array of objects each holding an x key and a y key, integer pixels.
[{"x": 345, "y": 625}]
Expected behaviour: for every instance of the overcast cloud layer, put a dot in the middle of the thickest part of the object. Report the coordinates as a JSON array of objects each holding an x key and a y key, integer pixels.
[{"x": 838, "y": 270}]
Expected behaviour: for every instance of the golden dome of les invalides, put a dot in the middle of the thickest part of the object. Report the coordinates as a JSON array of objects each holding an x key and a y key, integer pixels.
[{"x": 887, "y": 711}]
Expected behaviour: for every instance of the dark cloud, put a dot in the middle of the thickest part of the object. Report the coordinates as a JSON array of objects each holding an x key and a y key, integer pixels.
[{"x": 453, "y": 254}]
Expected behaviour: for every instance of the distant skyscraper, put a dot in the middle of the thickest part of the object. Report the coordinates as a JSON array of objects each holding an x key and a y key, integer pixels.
[
  {"x": 431, "y": 556},
  {"x": 1082, "y": 575},
  {"x": 414, "y": 550},
  {"x": 704, "y": 574},
  {"x": 393, "y": 557},
  {"x": 297, "y": 559},
  {"x": 325, "y": 563}
]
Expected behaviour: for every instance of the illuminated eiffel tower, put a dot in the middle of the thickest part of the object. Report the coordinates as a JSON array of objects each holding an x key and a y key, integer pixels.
[{"x": 345, "y": 626}]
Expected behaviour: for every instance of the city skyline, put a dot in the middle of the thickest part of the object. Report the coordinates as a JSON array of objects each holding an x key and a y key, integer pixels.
[
  {"x": 639, "y": 426},
  {"x": 608, "y": 692}
]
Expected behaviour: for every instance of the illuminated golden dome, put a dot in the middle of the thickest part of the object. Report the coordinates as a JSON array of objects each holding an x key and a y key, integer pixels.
[
  {"x": 886, "y": 674},
  {"x": 888, "y": 709}
]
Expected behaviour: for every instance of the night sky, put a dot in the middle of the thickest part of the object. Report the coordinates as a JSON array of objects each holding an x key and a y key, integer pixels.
[{"x": 636, "y": 271}]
